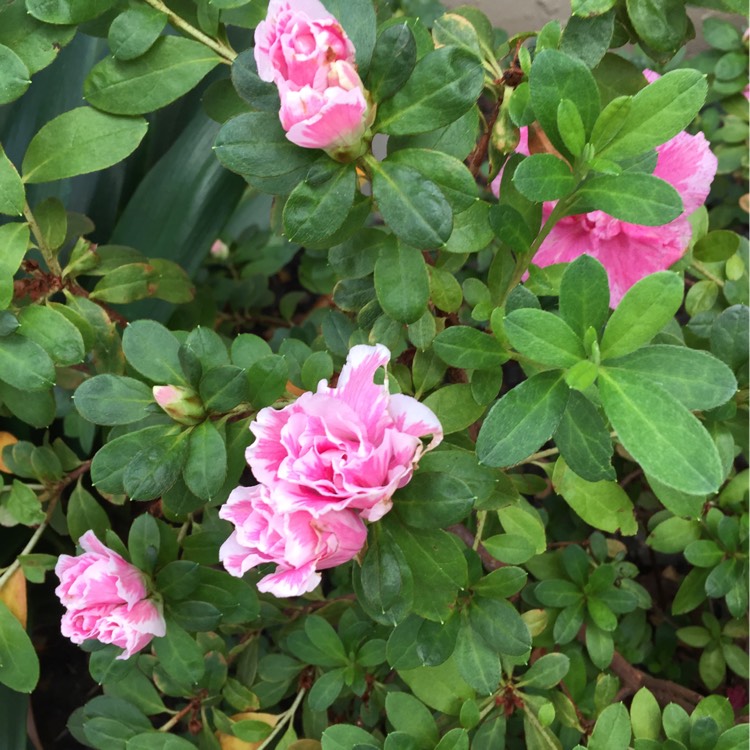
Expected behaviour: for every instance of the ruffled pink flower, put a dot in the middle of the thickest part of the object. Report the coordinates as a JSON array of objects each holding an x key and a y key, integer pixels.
[
  {"x": 344, "y": 448},
  {"x": 628, "y": 251},
  {"x": 296, "y": 40},
  {"x": 334, "y": 117},
  {"x": 106, "y": 599},
  {"x": 299, "y": 543}
]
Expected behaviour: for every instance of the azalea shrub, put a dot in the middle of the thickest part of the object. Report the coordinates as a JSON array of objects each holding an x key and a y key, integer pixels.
[{"x": 371, "y": 378}]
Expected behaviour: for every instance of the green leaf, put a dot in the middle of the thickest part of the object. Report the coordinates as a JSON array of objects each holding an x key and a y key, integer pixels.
[
  {"x": 511, "y": 549},
  {"x": 522, "y": 420},
  {"x": 644, "y": 310},
  {"x": 267, "y": 379},
  {"x": 80, "y": 141},
  {"x": 413, "y": 207},
  {"x": 130, "y": 282},
  {"x": 455, "y": 407},
  {"x": 570, "y": 124},
  {"x": 401, "y": 282},
  {"x": 234, "y": 598},
  {"x": 584, "y": 295},
  {"x": 452, "y": 28},
  {"x": 84, "y": 514},
  {"x": 660, "y": 433},
  {"x": 716, "y": 246},
  {"x": 645, "y": 715},
  {"x": 180, "y": 656},
  {"x": 144, "y": 542},
  {"x": 152, "y": 350},
  {"x": 53, "y": 332},
  {"x": 471, "y": 230},
  {"x": 432, "y": 500},
  {"x": 543, "y": 337},
  {"x": 153, "y": 470},
  {"x": 318, "y": 206},
  {"x": 603, "y": 505},
  {"x": 347, "y": 737},
  {"x": 393, "y": 60},
  {"x": 657, "y": 113},
  {"x": 357, "y": 17},
  {"x": 451, "y": 175},
  {"x": 169, "y": 69},
  {"x": 544, "y": 177},
  {"x": 67, "y": 11},
  {"x": 437, "y": 565},
  {"x": 12, "y": 195},
  {"x": 612, "y": 730},
  {"x": 587, "y": 8},
  {"x": 326, "y": 689},
  {"x": 444, "y": 85},
  {"x": 134, "y": 31},
  {"x": 407, "y": 714},
  {"x": 19, "y": 666},
  {"x": 501, "y": 626},
  {"x": 14, "y": 238},
  {"x": 588, "y": 39},
  {"x": 695, "y": 378},
  {"x": 469, "y": 349},
  {"x": 224, "y": 387},
  {"x": 637, "y": 198},
  {"x": 546, "y": 671},
  {"x": 662, "y": 25},
  {"x": 556, "y": 76},
  {"x": 501, "y": 583},
  {"x": 584, "y": 441},
  {"x": 24, "y": 364},
  {"x": 14, "y": 75},
  {"x": 206, "y": 462},
  {"x": 108, "y": 465},
  {"x": 158, "y": 741},
  {"x": 674, "y": 535},
  {"x": 477, "y": 663}
]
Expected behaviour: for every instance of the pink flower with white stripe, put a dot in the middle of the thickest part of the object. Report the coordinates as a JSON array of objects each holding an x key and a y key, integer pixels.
[
  {"x": 299, "y": 543},
  {"x": 344, "y": 448},
  {"x": 106, "y": 598},
  {"x": 628, "y": 251}
]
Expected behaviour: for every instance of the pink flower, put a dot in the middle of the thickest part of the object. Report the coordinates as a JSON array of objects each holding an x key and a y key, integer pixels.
[
  {"x": 296, "y": 40},
  {"x": 182, "y": 404},
  {"x": 106, "y": 599},
  {"x": 344, "y": 448},
  {"x": 299, "y": 543},
  {"x": 334, "y": 116},
  {"x": 306, "y": 53},
  {"x": 630, "y": 252}
]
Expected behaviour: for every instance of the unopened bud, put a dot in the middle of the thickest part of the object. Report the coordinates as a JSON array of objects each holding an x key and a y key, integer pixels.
[
  {"x": 219, "y": 250},
  {"x": 182, "y": 404}
]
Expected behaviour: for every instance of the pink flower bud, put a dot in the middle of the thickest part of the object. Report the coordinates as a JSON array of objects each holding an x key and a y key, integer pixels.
[
  {"x": 106, "y": 599},
  {"x": 181, "y": 403},
  {"x": 220, "y": 250}
]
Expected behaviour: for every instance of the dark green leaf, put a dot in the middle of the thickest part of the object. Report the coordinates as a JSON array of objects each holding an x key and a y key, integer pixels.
[
  {"x": 152, "y": 350},
  {"x": 24, "y": 364},
  {"x": 401, "y": 282},
  {"x": 134, "y": 31},
  {"x": 14, "y": 75},
  {"x": 113, "y": 400},
  {"x": 469, "y": 348},
  {"x": 543, "y": 337},
  {"x": 12, "y": 194},
  {"x": 444, "y": 85},
  {"x": 393, "y": 60},
  {"x": 19, "y": 666},
  {"x": 543, "y": 177},
  {"x": 522, "y": 420},
  {"x": 584, "y": 295}
]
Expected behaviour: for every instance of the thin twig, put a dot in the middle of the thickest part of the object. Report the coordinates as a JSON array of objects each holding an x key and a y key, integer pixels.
[
  {"x": 49, "y": 256},
  {"x": 227, "y": 53}
]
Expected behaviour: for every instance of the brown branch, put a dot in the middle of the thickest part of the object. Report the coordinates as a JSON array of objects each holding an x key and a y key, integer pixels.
[
  {"x": 479, "y": 154},
  {"x": 488, "y": 561}
]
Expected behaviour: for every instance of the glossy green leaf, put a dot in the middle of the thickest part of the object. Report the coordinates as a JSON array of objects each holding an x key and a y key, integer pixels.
[
  {"x": 169, "y": 69},
  {"x": 421, "y": 105},
  {"x": 179, "y": 655},
  {"x": 80, "y": 141},
  {"x": 660, "y": 433},
  {"x": 432, "y": 500},
  {"x": 318, "y": 206},
  {"x": 53, "y": 332},
  {"x": 469, "y": 348},
  {"x": 84, "y": 514},
  {"x": 393, "y": 60},
  {"x": 414, "y": 208},
  {"x": 67, "y": 11},
  {"x": 455, "y": 407},
  {"x": 153, "y": 350},
  {"x": 14, "y": 75},
  {"x": 663, "y": 25},
  {"x": 477, "y": 663}
]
